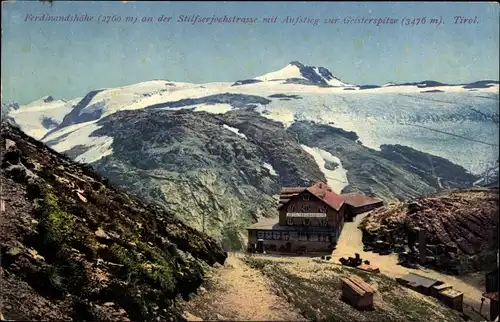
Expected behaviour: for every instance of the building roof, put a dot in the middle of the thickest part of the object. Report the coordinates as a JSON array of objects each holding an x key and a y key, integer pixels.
[
  {"x": 323, "y": 192},
  {"x": 451, "y": 293},
  {"x": 358, "y": 285},
  {"x": 288, "y": 193},
  {"x": 359, "y": 200},
  {"x": 266, "y": 223},
  {"x": 492, "y": 296},
  {"x": 419, "y": 280}
]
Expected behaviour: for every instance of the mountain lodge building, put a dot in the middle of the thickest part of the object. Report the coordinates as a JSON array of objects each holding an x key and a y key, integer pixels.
[{"x": 310, "y": 220}]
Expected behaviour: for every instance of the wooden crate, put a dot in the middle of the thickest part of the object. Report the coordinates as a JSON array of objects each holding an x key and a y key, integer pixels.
[
  {"x": 357, "y": 292},
  {"x": 436, "y": 289},
  {"x": 369, "y": 268},
  {"x": 452, "y": 298}
]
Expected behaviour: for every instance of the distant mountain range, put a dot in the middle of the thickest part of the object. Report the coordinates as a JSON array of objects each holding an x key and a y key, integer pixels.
[
  {"x": 298, "y": 73},
  {"x": 228, "y": 147}
]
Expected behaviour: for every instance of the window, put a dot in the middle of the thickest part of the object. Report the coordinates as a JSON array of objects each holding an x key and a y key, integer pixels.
[
  {"x": 322, "y": 209},
  {"x": 306, "y": 208},
  {"x": 306, "y": 196},
  {"x": 306, "y": 222},
  {"x": 290, "y": 221},
  {"x": 291, "y": 208}
]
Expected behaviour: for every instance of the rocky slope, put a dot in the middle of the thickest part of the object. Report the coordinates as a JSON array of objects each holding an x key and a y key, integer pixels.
[
  {"x": 6, "y": 109},
  {"x": 74, "y": 247},
  {"x": 461, "y": 228}
]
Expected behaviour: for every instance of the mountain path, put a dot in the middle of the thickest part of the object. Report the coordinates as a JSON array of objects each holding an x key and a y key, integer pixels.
[{"x": 240, "y": 293}]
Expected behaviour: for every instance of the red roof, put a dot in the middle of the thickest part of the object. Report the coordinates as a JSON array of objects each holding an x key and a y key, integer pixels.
[
  {"x": 323, "y": 192},
  {"x": 492, "y": 296},
  {"x": 332, "y": 199},
  {"x": 359, "y": 200}
]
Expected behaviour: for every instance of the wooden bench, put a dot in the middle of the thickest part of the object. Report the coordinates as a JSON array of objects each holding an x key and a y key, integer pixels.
[{"x": 357, "y": 292}]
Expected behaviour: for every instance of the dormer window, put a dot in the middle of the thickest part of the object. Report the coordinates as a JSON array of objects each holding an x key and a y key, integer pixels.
[
  {"x": 306, "y": 208},
  {"x": 306, "y": 197}
]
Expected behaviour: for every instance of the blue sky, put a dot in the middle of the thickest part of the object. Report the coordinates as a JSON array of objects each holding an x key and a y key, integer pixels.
[{"x": 68, "y": 59}]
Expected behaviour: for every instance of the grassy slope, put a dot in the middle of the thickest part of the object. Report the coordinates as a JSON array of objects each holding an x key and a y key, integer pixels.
[{"x": 316, "y": 290}]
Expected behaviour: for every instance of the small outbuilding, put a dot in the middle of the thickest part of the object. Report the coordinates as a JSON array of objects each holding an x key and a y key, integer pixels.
[
  {"x": 418, "y": 283},
  {"x": 452, "y": 298},
  {"x": 438, "y": 288},
  {"x": 357, "y": 292}
]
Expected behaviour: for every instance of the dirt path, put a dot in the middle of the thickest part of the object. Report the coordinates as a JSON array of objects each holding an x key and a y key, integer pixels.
[
  {"x": 350, "y": 243},
  {"x": 240, "y": 293}
]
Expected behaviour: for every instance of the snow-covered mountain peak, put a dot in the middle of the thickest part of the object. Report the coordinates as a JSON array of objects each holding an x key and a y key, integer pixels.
[
  {"x": 297, "y": 64},
  {"x": 297, "y": 73},
  {"x": 7, "y": 107},
  {"x": 289, "y": 71}
]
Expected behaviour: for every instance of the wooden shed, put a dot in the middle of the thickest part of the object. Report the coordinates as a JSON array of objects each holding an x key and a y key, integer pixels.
[
  {"x": 357, "y": 292},
  {"x": 438, "y": 288},
  {"x": 452, "y": 298},
  {"x": 418, "y": 283}
]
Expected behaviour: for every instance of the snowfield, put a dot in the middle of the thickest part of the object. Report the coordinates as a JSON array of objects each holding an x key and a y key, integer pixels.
[
  {"x": 42, "y": 115},
  {"x": 336, "y": 179},
  {"x": 235, "y": 131}
]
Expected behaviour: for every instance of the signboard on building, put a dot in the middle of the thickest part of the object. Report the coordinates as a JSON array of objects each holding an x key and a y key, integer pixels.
[{"x": 306, "y": 214}]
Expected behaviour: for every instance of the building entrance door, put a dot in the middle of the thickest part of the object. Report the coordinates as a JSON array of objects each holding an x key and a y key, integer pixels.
[{"x": 260, "y": 246}]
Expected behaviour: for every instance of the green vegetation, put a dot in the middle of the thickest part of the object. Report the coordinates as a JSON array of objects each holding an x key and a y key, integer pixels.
[
  {"x": 58, "y": 224},
  {"x": 232, "y": 236},
  {"x": 84, "y": 242}
]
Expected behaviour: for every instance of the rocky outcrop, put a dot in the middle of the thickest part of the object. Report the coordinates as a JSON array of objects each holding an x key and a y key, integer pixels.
[
  {"x": 6, "y": 109},
  {"x": 235, "y": 100},
  {"x": 460, "y": 229},
  {"x": 75, "y": 247}
]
